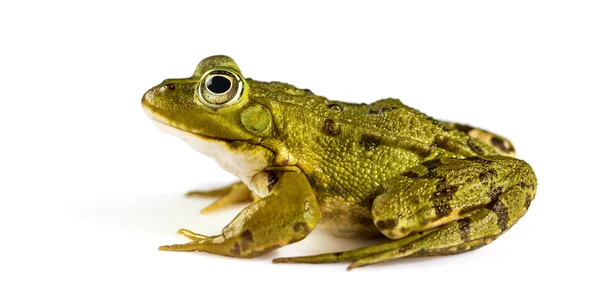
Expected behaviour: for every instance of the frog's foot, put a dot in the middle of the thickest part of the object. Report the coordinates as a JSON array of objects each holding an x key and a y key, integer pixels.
[{"x": 229, "y": 195}]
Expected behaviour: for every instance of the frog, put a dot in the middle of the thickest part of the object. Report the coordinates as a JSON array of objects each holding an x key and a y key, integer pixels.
[{"x": 426, "y": 187}]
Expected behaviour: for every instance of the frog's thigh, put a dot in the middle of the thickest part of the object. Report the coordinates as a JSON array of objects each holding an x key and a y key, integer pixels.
[{"x": 444, "y": 190}]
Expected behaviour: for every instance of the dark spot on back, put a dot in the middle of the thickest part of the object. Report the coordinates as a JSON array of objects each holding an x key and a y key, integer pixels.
[
  {"x": 478, "y": 160},
  {"x": 476, "y": 149},
  {"x": 337, "y": 254},
  {"x": 308, "y": 91},
  {"x": 419, "y": 149},
  {"x": 411, "y": 175},
  {"x": 502, "y": 213},
  {"x": 335, "y": 107},
  {"x": 494, "y": 193},
  {"x": 464, "y": 227},
  {"x": 247, "y": 238},
  {"x": 463, "y": 128},
  {"x": 272, "y": 180},
  {"x": 235, "y": 250},
  {"x": 386, "y": 224},
  {"x": 301, "y": 227},
  {"x": 502, "y": 144},
  {"x": 442, "y": 210},
  {"x": 381, "y": 110},
  {"x": 370, "y": 141},
  {"x": 431, "y": 174},
  {"x": 488, "y": 175},
  {"x": 170, "y": 86},
  {"x": 331, "y": 128},
  {"x": 432, "y": 164}
]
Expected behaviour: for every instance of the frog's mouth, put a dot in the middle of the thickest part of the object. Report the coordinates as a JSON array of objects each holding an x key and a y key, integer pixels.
[
  {"x": 243, "y": 162},
  {"x": 178, "y": 130}
]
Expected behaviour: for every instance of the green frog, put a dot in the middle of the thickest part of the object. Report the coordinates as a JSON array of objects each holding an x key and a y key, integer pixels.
[{"x": 355, "y": 170}]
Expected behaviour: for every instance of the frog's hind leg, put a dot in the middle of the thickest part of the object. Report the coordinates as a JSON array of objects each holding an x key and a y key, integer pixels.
[
  {"x": 443, "y": 207},
  {"x": 468, "y": 233},
  {"x": 469, "y": 202},
  {"x": 355, "y": 254}
]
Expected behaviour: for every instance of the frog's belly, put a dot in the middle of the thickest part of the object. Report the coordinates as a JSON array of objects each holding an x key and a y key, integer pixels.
[{"x": 340, "y": 218}]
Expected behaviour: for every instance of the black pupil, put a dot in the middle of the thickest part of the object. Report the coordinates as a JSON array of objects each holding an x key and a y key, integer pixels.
[{"x": 218, "y": 84}]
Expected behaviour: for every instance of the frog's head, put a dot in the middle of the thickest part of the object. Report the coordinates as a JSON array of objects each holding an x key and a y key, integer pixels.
[
  {"x": 212, "y": 111},
  {"x": 213, "y": 103}
]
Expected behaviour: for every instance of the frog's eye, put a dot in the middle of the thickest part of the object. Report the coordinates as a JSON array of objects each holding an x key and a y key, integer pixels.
[{"x": 220, "y": 88}]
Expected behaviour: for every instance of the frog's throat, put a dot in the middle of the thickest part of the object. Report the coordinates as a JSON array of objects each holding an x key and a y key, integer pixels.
[{"x": 243, "y": 164}]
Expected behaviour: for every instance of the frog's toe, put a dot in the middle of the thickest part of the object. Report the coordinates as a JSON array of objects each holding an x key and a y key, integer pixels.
[
  {"x": 191, "y": 235},
  {"x": 195, "y": 245},
  {"x": 190, "y": 246}
]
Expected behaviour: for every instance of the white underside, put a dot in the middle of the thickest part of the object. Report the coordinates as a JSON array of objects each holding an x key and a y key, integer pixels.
[{"x": 241, "y": 164}]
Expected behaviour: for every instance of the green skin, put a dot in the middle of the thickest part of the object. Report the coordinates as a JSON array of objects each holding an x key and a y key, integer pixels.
[{"x": 356, "y": 170}]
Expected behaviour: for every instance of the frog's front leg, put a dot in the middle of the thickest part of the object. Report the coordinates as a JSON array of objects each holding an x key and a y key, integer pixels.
[
  {"x": 231, "y": 194},
  {"x": 288, "y": 214}
]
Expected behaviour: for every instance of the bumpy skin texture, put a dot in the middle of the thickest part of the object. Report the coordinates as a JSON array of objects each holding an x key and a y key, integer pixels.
[{"x": 358, "y": 170}]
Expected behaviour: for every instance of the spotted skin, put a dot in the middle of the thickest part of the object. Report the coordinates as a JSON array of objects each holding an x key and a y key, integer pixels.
[{"x": 331, "y": 128}]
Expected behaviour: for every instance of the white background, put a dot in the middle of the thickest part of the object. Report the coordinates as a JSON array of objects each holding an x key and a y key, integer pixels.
[{"x": 90, "y": 188}]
